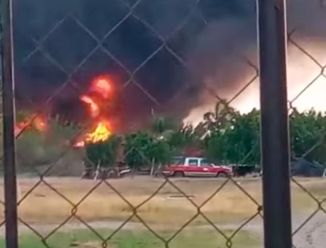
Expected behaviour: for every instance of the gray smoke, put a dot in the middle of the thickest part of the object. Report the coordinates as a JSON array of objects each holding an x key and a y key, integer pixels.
[
  {"x": 212, "y": 43},
  {"x": 220, "y": 52}
]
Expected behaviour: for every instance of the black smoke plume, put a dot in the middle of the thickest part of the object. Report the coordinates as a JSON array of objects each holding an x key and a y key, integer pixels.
[{"x": 57, "y": 44}]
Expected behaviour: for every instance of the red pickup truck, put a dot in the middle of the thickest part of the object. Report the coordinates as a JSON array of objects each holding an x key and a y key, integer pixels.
[{"x": 195, "y": 167}]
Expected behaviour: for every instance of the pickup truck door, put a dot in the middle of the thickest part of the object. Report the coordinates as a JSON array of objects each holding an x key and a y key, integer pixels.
[
  {"x": 192, "y": 168},
  {"x": 207, "y": 168}
]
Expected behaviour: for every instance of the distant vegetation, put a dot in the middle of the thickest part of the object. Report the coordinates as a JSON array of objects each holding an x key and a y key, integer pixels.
[{"x": 224, "y": 135}]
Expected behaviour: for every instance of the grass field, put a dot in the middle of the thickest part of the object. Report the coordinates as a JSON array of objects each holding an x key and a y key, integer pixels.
[
  {"x": 166, "y": 212},
  {"x": 137, "y": 239}
]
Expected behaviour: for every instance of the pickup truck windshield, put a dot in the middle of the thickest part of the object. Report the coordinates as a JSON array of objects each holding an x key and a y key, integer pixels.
[{"x": 178, "y": 160}]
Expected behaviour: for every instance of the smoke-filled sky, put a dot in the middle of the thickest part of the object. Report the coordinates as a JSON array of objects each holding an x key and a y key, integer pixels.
[{"x": 205, "y": 53}]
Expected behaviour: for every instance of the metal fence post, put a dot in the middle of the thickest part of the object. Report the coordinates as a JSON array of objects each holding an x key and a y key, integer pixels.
[
  {"x": 9, "y": 126},
  {"x": 274, "y": 124}
]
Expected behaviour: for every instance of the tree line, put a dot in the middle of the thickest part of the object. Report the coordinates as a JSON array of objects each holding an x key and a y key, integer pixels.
[{"x": 225, "y": 136}]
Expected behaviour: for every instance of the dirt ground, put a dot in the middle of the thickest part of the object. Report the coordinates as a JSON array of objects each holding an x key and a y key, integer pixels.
[{"x": 165, "y": 205}]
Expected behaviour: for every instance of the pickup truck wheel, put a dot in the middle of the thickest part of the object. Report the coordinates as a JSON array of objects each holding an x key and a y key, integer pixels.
[
  {"x": 222, "y": 174},
  {"x": 178, "y": 174}
]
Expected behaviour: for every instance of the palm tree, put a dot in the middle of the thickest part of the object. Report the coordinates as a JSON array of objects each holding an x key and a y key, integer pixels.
[
  {"x": 163, "y": 128},
  {"x": 222, "y": 116}
]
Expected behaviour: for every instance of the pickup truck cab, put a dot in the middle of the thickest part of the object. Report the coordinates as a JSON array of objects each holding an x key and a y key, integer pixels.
[{"x": 195, "y": 167}]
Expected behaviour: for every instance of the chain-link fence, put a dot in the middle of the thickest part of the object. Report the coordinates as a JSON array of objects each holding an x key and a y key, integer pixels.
[
  {"x": 305, "y": 41},
  {"x": 124, "y": 108}
]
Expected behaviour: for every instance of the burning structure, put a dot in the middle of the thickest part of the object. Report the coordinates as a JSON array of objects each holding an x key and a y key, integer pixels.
[{"x": 61, "y": 46}]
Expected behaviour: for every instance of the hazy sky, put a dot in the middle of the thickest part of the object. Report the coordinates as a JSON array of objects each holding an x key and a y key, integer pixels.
[{"x": 302, "y": 70}]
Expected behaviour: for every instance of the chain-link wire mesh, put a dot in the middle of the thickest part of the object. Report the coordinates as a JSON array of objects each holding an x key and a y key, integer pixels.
[
  {"x": 154, "y": 61},
  {"x": 306, "y": 40},
  {"x": 166, "y": 60}
]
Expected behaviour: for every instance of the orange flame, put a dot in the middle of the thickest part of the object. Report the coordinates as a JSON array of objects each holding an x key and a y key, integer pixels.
[
  {"x": 93, "y": 107},
  {"x": 79, "y": 144},
  {"x": 40, "y": 123},
  {"x": 37, "y": 123},
  {"x": 101, "y": 133},
  {"x": 102, "y": 87}
]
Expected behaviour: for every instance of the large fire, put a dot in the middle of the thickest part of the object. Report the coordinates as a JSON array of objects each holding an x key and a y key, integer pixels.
[
  {"x": 95, "y": 99},
  {"x": 98, "y": 94}
]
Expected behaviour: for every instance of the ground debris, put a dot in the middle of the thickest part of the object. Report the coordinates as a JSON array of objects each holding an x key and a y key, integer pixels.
[{"x": 87, "y": 245}]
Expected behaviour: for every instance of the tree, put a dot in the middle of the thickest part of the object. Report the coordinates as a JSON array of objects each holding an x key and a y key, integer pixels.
[
  {"x": 104, "y": 153},
  {"x": 163, "y": 124},
  {"x": 184, "y": 138},
  {"x": 220, "y": 118},
  {"x": 159, "y": 152},
  {"x": 136, "y": 148},
  {"x": 236, "y": 141},
  {"x": 308, "y": 130},
  {"x": 163, "y": 128},
  {"x": 142, "y": 149},
  {"x": 42, "y": 147}
]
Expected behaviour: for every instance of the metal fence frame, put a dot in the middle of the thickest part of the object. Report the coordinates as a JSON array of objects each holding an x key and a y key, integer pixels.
[
  {"x": 274, "y": 125},
  {"x": 9, "y": 160}
]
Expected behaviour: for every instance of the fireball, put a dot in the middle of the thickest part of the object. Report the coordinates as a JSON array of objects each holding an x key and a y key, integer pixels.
[
  {"x": 99, "y": 92},
  {"x": 102, "y": 86}
]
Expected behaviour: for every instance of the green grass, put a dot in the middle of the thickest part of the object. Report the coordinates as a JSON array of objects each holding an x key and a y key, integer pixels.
[{"x": 189, "y": 238}]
